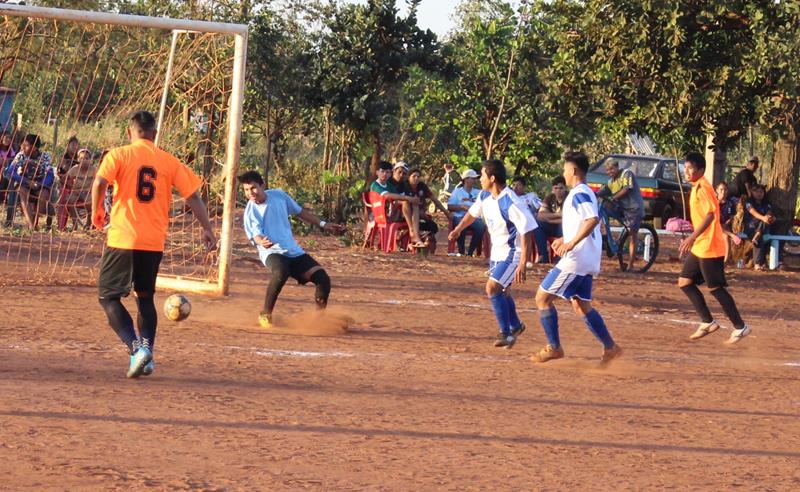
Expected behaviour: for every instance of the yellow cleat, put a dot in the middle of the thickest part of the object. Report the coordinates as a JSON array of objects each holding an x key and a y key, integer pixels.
[
  {"x": 547, "y": 353},
  {"x": 265, "y": 320}
]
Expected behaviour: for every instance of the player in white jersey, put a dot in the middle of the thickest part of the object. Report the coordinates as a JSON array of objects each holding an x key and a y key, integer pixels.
[
  {"x": 571, "y": 279},
  {"x": 510, "y": 226}
]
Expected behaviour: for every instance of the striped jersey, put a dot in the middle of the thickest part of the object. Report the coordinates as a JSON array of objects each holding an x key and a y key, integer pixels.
[
  {"x": 507, "y": 219},
  {"x": 584, "y": 259}
]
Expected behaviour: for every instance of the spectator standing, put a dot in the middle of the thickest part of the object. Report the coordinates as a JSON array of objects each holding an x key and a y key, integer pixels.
[
  {"x": 459, "y": 203},
  {"x": 626, "y": 202},
  {"x": 532, "y": 202},
  {"x": 7, "y": 195},
  {"x": 68, "y": 160},
  {"x": 78, "y": 188},
  {"x": 549, "y": 218},
  {"x": 450, "y": 181},
  {"x": 758, "y": 217},
  {"x": 745, "y": 180},
  {"x": 32, "y": 176}
]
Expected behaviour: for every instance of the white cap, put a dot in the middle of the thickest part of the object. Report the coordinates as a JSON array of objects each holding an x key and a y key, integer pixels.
[
  {"x": 400, "y": 164},
  {"x": 469, "y": 173}
]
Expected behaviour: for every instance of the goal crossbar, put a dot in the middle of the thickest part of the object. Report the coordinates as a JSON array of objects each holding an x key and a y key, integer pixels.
[{"x": 233, "y": 143}]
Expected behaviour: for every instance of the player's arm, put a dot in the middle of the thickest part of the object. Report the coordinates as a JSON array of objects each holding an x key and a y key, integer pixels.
[
  {"x": 309, "y": 218},
  {"x": 99, "y": 187},
  {"x": 195, "y": 202}
]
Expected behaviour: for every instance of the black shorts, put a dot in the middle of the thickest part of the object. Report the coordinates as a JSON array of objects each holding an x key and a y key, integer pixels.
[
  {"x": 705, "y": 270},
  {"x": 428, "y": 225},
  {"x": 122, "y": 267},
  {"x": 297, "y": 266}
]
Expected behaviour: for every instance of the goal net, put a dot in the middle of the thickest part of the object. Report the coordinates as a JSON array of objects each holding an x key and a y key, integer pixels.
[{"x": 66, "y": 73}]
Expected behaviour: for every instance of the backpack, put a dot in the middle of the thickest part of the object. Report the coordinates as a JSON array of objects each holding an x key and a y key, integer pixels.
[{"x": 676, "y": 224}]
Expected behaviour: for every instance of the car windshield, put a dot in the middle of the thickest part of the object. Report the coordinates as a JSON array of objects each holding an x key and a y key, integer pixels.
[{"x": 641, "y": 168}]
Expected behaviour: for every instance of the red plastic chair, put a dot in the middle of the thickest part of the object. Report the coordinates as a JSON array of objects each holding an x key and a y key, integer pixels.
[
  {"x": 370, "y": 232},
  {"x": 387, "y": 230},
  {"x": 484, "y": 248}
]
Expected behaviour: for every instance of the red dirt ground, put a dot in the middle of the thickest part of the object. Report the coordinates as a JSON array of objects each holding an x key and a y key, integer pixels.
[{"x": 412, "y": 397}]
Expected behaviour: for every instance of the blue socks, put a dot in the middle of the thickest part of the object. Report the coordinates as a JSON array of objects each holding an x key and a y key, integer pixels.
[
  {"x": 513, "y": 319},
  {"x": 598, "y": 328},
  {"x": 549, "y": 320},
  {"x": 500, "y": 307}
]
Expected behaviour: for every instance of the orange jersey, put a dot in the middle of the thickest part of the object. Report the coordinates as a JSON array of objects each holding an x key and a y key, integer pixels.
[
  {"x": 703, "y": 201},
  {"x": 143, "y": 177}
]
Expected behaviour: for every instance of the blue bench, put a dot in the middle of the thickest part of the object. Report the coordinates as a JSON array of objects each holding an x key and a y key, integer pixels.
[{"x": 775, "y": 247}]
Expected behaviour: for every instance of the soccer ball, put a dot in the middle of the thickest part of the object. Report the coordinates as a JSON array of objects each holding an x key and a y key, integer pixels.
[{"x": 177, "y": 307}]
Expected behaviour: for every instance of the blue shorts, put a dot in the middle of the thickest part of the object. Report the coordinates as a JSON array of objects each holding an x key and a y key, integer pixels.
[
  {"x": 503, "y": 272},
  {"x": 567, "y": 285}
]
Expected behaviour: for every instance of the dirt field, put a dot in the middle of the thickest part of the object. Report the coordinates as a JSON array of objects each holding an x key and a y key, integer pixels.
[{"x": 412, "y": 397}]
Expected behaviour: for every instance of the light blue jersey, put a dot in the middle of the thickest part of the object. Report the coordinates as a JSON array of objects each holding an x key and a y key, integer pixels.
[{"x": 271, "y": 220}]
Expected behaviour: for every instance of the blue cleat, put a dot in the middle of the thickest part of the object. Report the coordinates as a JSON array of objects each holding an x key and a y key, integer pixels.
[
  {"x": 149, "y": 368},
  {"x": 140, "y": 358}
]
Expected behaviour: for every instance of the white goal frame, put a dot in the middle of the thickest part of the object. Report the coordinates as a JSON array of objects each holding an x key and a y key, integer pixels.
[{"x": 239, "y": 31}]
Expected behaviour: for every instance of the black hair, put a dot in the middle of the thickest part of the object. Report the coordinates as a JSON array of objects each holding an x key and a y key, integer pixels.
[
  {"x": 759, "y": 186},
  {"x": 251, "y": 177},
  {"x": 386, "y": 166},
  {"x": 520, "y": 180},
  {"x": 415, "y": 170},
  {"x": 558, "y": 180},
  {"x": 495, "y": 167},
  {"x": 697, "y": 160},
  {"x": 144, "y": 121},
  {"x": 72, "y": 139},
  {"x": 33, "y": 140},
  {"x": 580, "y": 161}
]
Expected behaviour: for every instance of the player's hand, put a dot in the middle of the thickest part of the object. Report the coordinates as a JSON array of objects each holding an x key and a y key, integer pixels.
[
  {"x": 736, "y": 240},
  {"x": 521, "y": 274},
  {"x": 453, "y": 235},
  {"x": 563, "y": 248},
  {"x": 557, "y": 243},
  {"x": 99, "y": 219},
  {"x": 263, "y": 241},
  {"x": 209, "y": 239},
  {"x": 334, "y": 228},
  {"x": 686, "y": 245}
]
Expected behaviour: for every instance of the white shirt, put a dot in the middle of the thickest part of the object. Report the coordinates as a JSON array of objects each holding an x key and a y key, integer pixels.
[
  {"x": 584, "y": 259},
  {"x": 507, "y": 219},
  {"x": 532, "y": 201}
]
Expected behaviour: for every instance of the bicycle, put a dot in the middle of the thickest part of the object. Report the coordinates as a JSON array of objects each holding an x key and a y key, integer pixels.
[
  {"x": 616, "y": 242},
  {"x": 792, "y": 247}
]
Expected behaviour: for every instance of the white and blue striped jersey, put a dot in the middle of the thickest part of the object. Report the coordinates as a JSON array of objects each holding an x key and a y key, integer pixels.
[
  {"x": 584, "y": 259},
  {"x": 507, "y": 219}
]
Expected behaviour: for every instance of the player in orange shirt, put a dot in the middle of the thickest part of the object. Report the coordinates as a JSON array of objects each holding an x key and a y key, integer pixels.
[
  {"x": 143, "y": 177},
  {"x": 705, "y": 252}
]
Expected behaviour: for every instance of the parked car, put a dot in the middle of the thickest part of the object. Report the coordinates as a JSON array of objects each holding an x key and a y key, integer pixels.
[{"x": 658, "y": 179}]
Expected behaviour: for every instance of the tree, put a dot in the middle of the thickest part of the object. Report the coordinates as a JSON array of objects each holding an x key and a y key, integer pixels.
[{"x": 363, "y": 60}]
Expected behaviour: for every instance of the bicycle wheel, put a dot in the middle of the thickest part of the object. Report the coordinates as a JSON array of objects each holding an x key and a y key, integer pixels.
[
  {"x": 646, "y": 248},
  {"x": 793, "y": 247}
]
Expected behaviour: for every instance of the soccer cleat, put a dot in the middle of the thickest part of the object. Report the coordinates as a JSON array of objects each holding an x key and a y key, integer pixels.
[
  {"x": 704, "y": 329},
  {"x": 738, "y": 335},
  {"x": 140, "y": 358},
  {"x": 515, "y": 332},
  {"x": 506, "y": 341},
  {"x": 610, "y": 354},
  {"x": 265, "y": 320},
  {"x": 548, "y": 352},
  {"x": 149, "y": 368}
]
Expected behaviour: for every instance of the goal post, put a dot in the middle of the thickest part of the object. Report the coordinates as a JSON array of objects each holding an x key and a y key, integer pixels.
[{"x": 24, "y": 249}]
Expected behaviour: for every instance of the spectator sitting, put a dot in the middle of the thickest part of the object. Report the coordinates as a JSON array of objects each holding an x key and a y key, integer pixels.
[
  {"x": 31, "y": 174},
  {"x": 459, "y": 203},
  {"x": 450, "y": 181},
  {"x": 78, "y": 188},
  {"x": 68, "y": 160},
  {"x": 7, "y": 195},
  {"x": 727, "y": 210},
  {"x": 625, "y": 203},
  {"x": 549, "y": 217},
  {"x": 427, "y": 226},
  {"x": 533, "y": 202},
  {"x": 395, "y": 213},
  {"x": 745, "y": 180},
  {"x": 758, "y": 218}
]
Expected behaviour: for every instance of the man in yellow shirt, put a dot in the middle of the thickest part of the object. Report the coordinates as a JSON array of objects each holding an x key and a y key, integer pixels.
[
  {"x": 143, "y": 177},
  {"x": 705, "y": 252}
]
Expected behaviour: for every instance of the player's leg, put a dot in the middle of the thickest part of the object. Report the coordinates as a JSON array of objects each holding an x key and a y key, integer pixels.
[
  {"x": 581, "y": 298},
  {"x": 145, "y": 272},
  {"x": 114, "y": 283},
  {"x": 310, "y": 270},
  {"x": 548, "y": 315},
  {"x": 713, "y": 270},
  {"x": 690, "y": 277},
  {"x": 517, "y": 326},
  {"x": 280, "y": 269}
]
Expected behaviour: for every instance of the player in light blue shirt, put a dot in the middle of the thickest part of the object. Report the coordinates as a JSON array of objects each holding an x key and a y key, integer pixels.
[
  {"x": 510, "y": 225},
  {"x": 266, "y": 223}
]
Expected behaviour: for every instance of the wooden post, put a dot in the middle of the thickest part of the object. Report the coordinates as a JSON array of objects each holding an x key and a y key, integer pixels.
[{"x": 232, "y": 162}]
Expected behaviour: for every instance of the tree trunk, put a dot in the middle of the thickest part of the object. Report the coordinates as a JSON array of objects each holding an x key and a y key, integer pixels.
[
  {"x": 371, "y": 168},
  {"x": 716, "y": 159},
  {"x": 268, "y": 135},
  {"x": 782, "y": 180}
]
